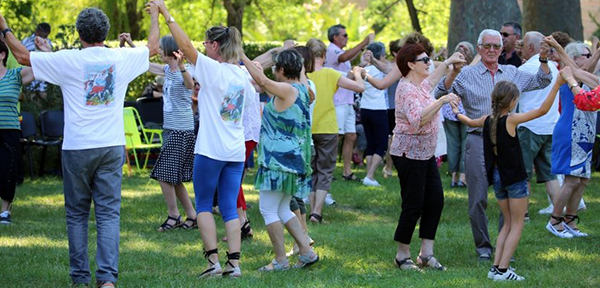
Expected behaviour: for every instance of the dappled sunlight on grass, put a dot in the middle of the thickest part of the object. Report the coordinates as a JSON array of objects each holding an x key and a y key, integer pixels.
[
  {"x": 456, "y": 194},
  {"x": 53, "y": 201},
  {"x": 554, "y": 254},
  {"x": 32, "y": 241}
]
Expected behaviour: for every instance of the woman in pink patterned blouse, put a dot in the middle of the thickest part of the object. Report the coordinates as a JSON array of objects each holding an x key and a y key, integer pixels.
[{"x": 412, "y": 149}]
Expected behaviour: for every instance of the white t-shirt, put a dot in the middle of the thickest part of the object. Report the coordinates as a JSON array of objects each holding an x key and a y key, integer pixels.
[
  {"x": 373, "y": 98},
  {"x": 251, "y": 120},
  {"x": 342, "y": 96},
  {"x": 221, "y": 103},
  {"x": 533, "y": 99},
  {"x": 93, "y": 83}
]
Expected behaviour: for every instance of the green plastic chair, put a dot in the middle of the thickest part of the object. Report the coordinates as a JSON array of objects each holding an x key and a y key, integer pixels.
[{"x": 134, "y": 139}]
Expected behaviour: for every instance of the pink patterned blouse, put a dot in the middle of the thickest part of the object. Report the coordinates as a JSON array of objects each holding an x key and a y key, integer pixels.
[{"x": 409, "y": 140}]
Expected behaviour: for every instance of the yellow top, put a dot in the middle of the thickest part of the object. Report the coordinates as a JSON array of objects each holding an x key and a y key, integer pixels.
[{"x": 324, "y": 117}]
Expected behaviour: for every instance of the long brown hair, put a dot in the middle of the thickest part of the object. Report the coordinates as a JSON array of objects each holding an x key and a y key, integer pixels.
[{"x": 504, "y": 92}]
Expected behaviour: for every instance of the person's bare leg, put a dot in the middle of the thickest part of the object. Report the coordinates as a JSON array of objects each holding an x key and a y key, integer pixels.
[
  {"x": 295, "y": 229},
  {"x": 275, "y": 231},
  {"x": 403, "y": 251},
  {"x": 168, "y": 191},
  {"x": 347, "y": 148},
  {"x": 182, "y": 194},
  {"x": 234, "y": 238},
  {"x": 552, "y": 188},
  {"x": 563, "y": 197},
  {"x": 573, "y": 202},
  {"x": 319, "y": 201},
  {"x": 388, "y": 159},
  {"x": 375, "y": 161},
  {"x": 5, "y": 205},
  {"x": 462, "y": 177},
  {"x": 208, "y": 233},
  {"x": 517, "y": 210},
  {"x": 500, "y": 242}
]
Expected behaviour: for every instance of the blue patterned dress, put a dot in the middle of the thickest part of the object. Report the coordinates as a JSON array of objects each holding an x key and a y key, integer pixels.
[
  {"x": 573, "y": 138},
  {"x": 284, "y": 147}
]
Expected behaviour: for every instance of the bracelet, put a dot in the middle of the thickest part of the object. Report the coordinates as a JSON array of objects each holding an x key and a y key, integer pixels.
[
  {"x": 183, "y": 71},
  {"x": 544, "y": 60},
  {"x": 6, "y": 31}
]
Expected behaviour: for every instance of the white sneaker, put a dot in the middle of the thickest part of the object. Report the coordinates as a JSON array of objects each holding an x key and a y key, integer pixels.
[
  {"x": 329, "y": 200},
  {"x": 368, "y": 182},
  {"x": 560, "y": 234},
  {"x": 581, "y": 205},
  {"x": 493, "y": 271},
  {"x": 574, "y": 232},
  {"x": 507, "y": 276},
  {"x": 547, "y": 211}
]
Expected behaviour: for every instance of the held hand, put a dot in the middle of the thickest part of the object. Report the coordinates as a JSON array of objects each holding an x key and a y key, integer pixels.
[
  {"x": 551, "y": 42},
  {"x": 363, "y": 74},
  {"x": 566, "y": 76},
  {"x": 289, "y": 44},
  {"x": 152, "y": 9},
  {"x": 451, "y": 97},
  {"x": 258, "y": 66},
  {"x": 457, "y": 58},
  {"x": 454, "y": 107},
  {"x": 544, "y": 48},
  {"x": 370, "y": 38},
  {"x": 595, "y": 42},
  {"x": 162, "y": 8},
  {"x": 42, "y": 45},
  {"x": 179, "y": 56}
]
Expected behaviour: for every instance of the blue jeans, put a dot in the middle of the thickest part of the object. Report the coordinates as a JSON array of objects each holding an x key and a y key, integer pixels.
[
  {"x": 211, "y": 175},
  {"x": 93, "y": 175}
]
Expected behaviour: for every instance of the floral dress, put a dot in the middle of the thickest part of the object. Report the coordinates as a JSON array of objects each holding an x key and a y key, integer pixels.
[{"x": 284, "y": 147}]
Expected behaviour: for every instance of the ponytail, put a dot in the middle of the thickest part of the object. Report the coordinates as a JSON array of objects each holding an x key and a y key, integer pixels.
[{"x": 230, "y": 42}]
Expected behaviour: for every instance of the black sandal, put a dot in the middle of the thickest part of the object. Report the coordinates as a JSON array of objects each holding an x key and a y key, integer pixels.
[
  {"x": 185, "y": 226},
  {"x": 350, "y": 177},
  {"x": 425, "y": 263},
  {"x": 570, "y": 218},
  {"x": 215, "y": 268},
  {"x": 230, "y": 270},
  {"x": 247, "y": 230},
  {"x": 316, "y": 216},
  {"x": 166, "y": 226},
  {"x": 560, "y": 220},
  {"x": 407, "y": 263}
]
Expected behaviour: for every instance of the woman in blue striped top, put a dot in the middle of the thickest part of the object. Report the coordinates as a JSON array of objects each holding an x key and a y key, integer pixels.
[
  {"x": 175, "y": 163},
  {"x": 11, "y": 81}
]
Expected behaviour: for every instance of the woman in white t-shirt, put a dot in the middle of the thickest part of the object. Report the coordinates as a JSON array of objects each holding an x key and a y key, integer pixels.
[{"x": 219, "y": 152}]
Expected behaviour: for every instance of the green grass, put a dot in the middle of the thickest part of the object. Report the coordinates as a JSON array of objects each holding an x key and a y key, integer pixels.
[{"x": 355, "y": 242}]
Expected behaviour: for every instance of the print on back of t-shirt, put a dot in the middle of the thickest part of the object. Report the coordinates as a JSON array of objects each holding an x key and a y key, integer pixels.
[
  {"x": 233, "y": 102},
  {"x": 99, "y": 85}
]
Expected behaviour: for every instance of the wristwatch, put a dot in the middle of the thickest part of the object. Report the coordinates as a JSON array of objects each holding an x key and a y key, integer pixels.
[
  {"x": 6, "y": 31},
  {"x": 170, "y": 20},
  {"x": 571, "y": 86}
]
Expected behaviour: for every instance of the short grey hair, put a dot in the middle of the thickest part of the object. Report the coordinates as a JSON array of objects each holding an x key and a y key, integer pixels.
[
  {"x": 534, "y": 38},
  {"x": 377, "y": 48},
  {"x": 489, "y": 32},
  {"x": 92, "y": 25},
  {"x": 574, "y": 49},
  {"x": 469, "y": 45},
  {"x": 334, "y": 30},
  {"x": 168, "y": 45}
]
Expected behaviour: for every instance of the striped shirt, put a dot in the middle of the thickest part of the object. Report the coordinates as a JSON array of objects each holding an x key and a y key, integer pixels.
[
  {"x": 177, "y": 102},
  {"x": 475, "y": 83},
  {"x": 10, "y": 89}
]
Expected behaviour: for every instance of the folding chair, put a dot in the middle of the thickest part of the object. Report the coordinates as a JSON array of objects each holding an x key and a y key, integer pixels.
[
  {"x": 52, "y": 125},
  {"x": 138, "y": 137}
]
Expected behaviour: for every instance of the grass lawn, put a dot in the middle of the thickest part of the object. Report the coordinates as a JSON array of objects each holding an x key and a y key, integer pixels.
[{"x": 355, "y": 242}]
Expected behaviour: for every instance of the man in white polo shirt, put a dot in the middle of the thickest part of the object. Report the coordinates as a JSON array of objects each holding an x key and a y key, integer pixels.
[{"x": 339, "y": 59}]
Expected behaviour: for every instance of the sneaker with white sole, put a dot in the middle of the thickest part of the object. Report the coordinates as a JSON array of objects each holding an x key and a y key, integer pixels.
[
  {"x": 575, "y": 232},
  {"x": 561, "y": 234},
  {"x": 494, "y": 270},
  {"x": 329, "y": 200},
  {"x": 507, "y": 276},
  {"x": 5, "y": 218},
  {"x": 547, "y": 211},
  {"x": 368, "y": 182}
]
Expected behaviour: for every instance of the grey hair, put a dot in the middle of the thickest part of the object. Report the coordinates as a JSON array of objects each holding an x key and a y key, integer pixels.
[
  {"x": 168, "y": 45},
  {"x": 468, "y": 44},
  {"x": 534, "y": 38},
  {"x": 516, "y": 27},
  {"x": 574, "y": 49},
  {"x": 489, "y": 32},
  {"x": 92, "y": 25},
  {"x": 334, "y": 30},
  {"x": 377, "y": 48}
]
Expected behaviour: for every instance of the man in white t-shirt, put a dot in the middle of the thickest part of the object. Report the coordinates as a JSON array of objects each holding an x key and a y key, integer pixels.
[
  {"x": 93, "y": 81},
  {"x": 535, "y": 136},
  {"x": 339, "y": 59}
]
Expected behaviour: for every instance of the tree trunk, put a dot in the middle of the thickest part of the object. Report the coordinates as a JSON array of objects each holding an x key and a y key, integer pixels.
[
  {"x": 414, "y": 17},
  {"x": 547, "y": 16},
  {"x": 134, "y": 16},
  {"x": 235, "y": 13},
  {"x": 469, "y": 17}
]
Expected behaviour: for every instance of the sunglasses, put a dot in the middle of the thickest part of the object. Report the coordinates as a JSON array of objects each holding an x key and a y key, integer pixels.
[
  {"x": 425, "y": 60},
  {"x": 505, "y": 35},
  {"x": 345, "y": 35},
  {"x": 196, "y": 84},
  {"x": 588, "y": 55},
  {"x": 488, "y": 46}
]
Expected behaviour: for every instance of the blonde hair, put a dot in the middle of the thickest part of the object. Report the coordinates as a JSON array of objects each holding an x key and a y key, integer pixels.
[
  {"x": 317, "y": 47},
  {"x": 230, "y": 42},
  {"x": 504, "y": 92}
]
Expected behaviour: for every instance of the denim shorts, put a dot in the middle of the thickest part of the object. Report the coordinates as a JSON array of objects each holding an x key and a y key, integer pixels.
[{"x": 514, "y": 191}]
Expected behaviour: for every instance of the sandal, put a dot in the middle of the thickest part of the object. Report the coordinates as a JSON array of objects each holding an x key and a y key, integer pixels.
[
  {"x": 317, "y": 217},
  {"x": 214, "y": 269},
  {"x": 386, "y": 173},
  {"x": 573, "y": 231},
  {"x": 406, "y": 264},
  {"x": 307, "y": 260},
  {"x": 230, "y": 270},
  {"x": 430, "y": 262},
  {"x": 185, "y": 226},
  {"x": 350, "y": 177},
  {"x": 168, "y": 226},
  {"x": 247, "y": 231},
  {"x": 276, "y": 266}
]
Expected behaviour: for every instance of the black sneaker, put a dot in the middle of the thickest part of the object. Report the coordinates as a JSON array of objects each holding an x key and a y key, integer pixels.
[
  {"x": 5, "y": 218},
  {"x": 527, "y": 219}
]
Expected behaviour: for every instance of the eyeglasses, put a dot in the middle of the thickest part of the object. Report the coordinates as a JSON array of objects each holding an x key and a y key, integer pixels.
[
  {"x": 505, "y": 35},
  {"x": 588, "y": 55},
  {"x": 425, "y": 60},
  {"x": 196, "y": 84},
  {"x": 489, "y": 45},
  {"x": 345, "y": 35},
  {"x": 207, "y": 42}
]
